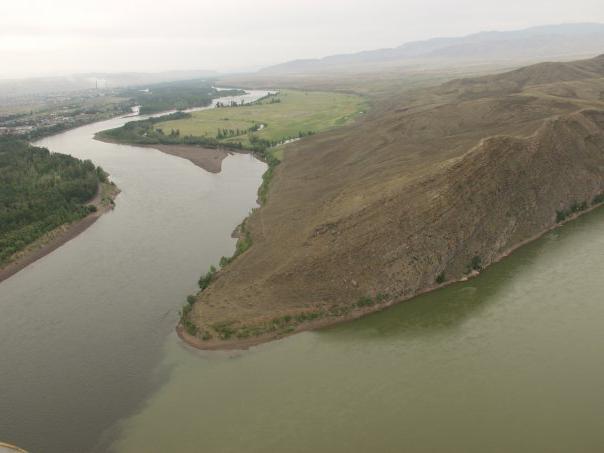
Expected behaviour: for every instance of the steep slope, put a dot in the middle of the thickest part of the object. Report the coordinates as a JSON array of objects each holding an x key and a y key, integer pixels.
[
  {"x": 518, "y": 80},
  {"x": 529, "y": 45},
  {"x": 413, "y": 196}
]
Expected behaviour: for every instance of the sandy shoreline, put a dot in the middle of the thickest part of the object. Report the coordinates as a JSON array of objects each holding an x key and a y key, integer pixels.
[
  {"x": 57, "y": 237},
  {"x": 210, "y": 159},
  {"x": 246, "y": 343}
]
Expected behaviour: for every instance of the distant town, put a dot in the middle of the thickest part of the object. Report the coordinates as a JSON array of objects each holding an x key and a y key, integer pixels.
[{"x": 35, "y": 116}]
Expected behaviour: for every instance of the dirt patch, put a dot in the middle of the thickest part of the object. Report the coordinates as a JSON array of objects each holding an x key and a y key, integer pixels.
[
  {"x": 206, "y": 158},
  {"x": 210, "y": 159}
]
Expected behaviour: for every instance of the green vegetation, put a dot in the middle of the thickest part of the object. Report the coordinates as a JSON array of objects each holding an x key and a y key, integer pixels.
[
  {"x": 40, "y": 191},
  {"x": 272, "y": 120},
  {"x": 224, "y": 330},
  {"x": 243, "y": 243},
  {"x": 289, "y": 323},
  {"x": 179, "y": 95},
  {"x": 475, "y": 264},
  {"x": 206, "y": 278},
  {"x": 440, "y": 278},
  {"x": 282, "y": 325},
  {"x": 189, "y": 325},
  {"x": 266, "y": 181},
  {"x": 575, "y": 208},
  {"x": 144, "y": 132},
  {"x": 263, "y": 124},
  {"x": 365, "y": 301},
  {"x": 258, "y": 127}
]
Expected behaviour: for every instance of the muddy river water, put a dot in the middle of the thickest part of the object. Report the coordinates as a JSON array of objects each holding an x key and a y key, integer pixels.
[{"x": 509, "y": 362}]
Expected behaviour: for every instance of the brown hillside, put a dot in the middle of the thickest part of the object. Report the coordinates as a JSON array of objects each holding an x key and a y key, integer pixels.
[
  {"x": 519, "y": 79},
  {"x": 413, "y": 191}
]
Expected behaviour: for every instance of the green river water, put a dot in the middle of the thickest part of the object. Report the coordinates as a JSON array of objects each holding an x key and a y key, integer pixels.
[{"x": 511, "y": 361}]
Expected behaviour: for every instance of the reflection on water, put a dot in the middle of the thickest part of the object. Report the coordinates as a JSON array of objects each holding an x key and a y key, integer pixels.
[{"x": 510, "y": 361}]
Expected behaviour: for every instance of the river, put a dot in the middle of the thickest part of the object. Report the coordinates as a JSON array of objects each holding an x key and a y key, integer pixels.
[{"x": 509, "y": 361}]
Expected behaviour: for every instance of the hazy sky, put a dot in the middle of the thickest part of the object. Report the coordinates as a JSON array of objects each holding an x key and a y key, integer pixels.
[{"x": 40, "y": 37}]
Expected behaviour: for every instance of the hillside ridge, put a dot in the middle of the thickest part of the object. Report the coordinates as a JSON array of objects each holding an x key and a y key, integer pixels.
[
  {"x": 531, "y": 44},
  {"x": 407, "y": 200}
]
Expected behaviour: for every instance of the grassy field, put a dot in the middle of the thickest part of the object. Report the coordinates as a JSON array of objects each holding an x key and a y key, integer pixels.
[{"x": 284, "y": 116}]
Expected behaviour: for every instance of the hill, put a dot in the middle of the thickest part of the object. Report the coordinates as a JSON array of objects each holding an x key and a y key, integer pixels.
[
  {"x": 562, "y": 41},
  {"x": 430, "y": 187}
]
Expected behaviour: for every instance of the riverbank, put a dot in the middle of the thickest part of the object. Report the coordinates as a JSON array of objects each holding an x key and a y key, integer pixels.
[
  {"x": 401, "y": 203},
  {"x": 328, "y": 319},
  {"x": 210, "y": 159},
  {"x": 103, "y": 201}
]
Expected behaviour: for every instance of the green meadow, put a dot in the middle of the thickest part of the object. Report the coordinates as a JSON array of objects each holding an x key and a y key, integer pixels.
[{"x": 288, "y": 114}]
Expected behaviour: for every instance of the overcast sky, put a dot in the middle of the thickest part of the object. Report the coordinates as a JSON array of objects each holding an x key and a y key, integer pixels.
[{"x": 41, "y": 37}]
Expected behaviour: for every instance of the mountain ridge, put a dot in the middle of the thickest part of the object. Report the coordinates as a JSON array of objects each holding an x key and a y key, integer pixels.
[{"x": 530, "y": 44}]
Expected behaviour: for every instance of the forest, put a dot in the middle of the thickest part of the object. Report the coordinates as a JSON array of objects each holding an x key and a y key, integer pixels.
[{"x": 40, "y": 191}]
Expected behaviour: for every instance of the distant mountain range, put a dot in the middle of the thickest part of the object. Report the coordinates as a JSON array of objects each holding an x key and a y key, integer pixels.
[{"x": 564, "y": 41}]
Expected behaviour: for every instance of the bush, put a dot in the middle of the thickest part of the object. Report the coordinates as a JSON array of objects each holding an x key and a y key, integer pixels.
[
  {"x": 380, "y": 297},
  {"x": 561, "y": 216},
  {"x": 440, "y": 278},
  {"x": 206, "y": 279},
  {"x": 224, "y": 330},
  {"x": 191, "y": 299},
  {"x": 190, "y": 327},
  {"x": 476, "y": 263},
  {"x": 365, "y": 301},
  {"x": 578, "y": 207},
  {"x": 186, "y": 309}
]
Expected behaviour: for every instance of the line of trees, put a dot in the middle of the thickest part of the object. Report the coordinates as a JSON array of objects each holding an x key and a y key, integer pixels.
[{"x": 229, "y": 133}]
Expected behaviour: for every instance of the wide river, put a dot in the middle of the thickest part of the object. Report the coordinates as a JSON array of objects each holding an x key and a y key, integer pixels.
[{"x": 509, "y": 362}]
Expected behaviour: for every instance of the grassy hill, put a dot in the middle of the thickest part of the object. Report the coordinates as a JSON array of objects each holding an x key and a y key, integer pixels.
[{"x": 431, "y": 186}]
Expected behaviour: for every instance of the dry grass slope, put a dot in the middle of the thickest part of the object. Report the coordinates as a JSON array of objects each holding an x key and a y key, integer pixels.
[{"x": 428, "y": 187}]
